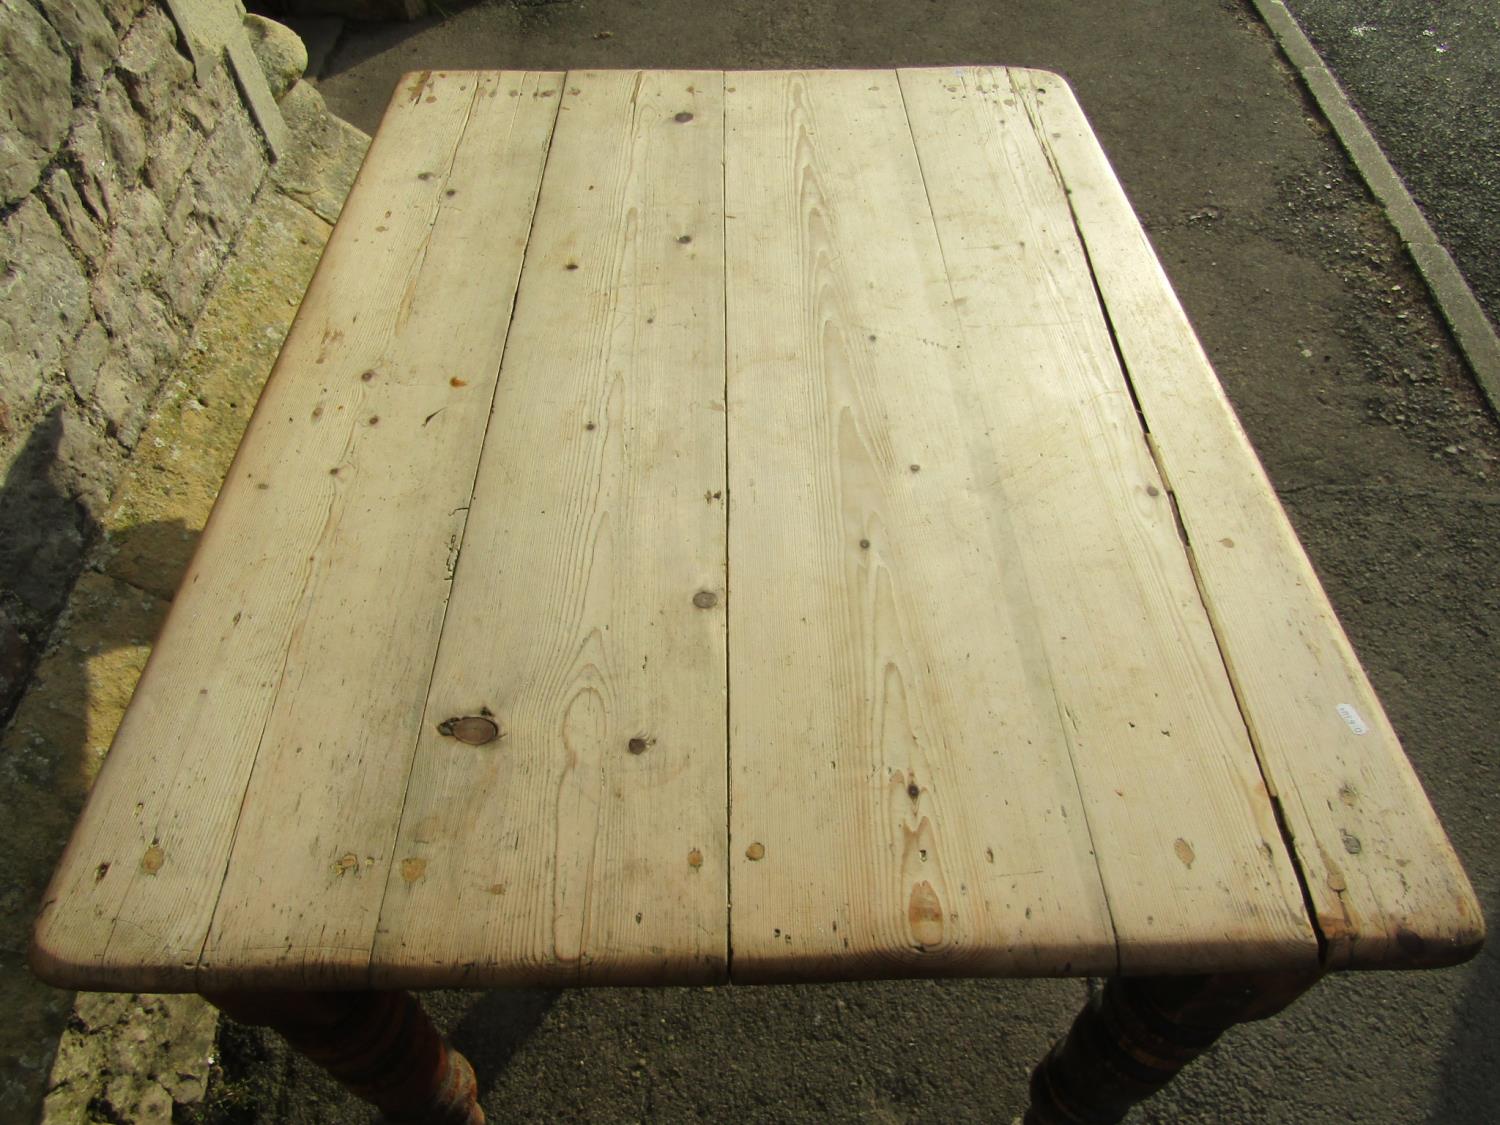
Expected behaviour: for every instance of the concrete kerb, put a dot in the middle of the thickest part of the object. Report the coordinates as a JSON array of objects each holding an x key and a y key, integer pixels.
[{"x": 1472, "y": 331}]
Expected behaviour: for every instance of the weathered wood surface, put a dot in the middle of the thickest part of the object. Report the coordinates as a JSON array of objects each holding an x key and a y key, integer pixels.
[
  {"x": 802, "y": 571},
  {"x": 902, "y": 796},
  {"x": 586, "y": 843},
  {"x": 1386, "y": 886},
  {"x": 272, "y": 733}
]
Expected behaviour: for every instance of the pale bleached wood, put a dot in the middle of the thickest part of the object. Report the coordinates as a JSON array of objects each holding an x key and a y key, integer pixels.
[
  {"x": 283, "y": 697},
  {"x": 1387, "y": 887},
  {"x": 1197, "y": 876},
  {"x": 902, "y": 800},
  {"x": 956, "y": 584},
  {"x": 587, "y": 843}
]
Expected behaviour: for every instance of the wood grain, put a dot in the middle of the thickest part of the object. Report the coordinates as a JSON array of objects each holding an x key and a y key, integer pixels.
[
  {"x": 272, "y": 731},
  {"x": 586, "y": 844},
  {"x": 1387, "y": 889},
  {"x": 902, "y": 799},
  {"x": 806, "y": 477},
  {"x": 1197, "y": 876}
]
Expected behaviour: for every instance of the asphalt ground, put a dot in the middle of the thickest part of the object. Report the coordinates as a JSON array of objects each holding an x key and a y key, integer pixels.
[
  {"x": 1373, "y": 433},
  {"x": 1426, "y": 79}
]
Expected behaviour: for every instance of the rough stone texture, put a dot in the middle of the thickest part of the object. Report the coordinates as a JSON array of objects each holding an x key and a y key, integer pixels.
[
  {"x": 326, "y": 151},
  {"x": 166, "y": 491},
  {"x": 209, "y": 211},
  {"x": 125, "y": 179},
  {"x": 148, "y": 1053},
  {"x": 149, "y": 268},
  {"x": 279, "y": 50},
  {"x": 122, "y": 13},
  {"x": 87, "y": 34},
  {"x": 162, "y": 495},
  {"x": 13, "y": 651},
  {"x": 77, "y": 222},
  {"x": 48, "y": 756},
  {"x": 34, "y": 97},
  {"x": 43, "y": 299},
  {"x": 152, "y": 65}
]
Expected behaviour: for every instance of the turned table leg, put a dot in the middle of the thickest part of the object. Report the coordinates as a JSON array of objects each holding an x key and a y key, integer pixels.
[
  {"x": 380, "y": 1045},
  {"x": 1138, "y": 1032}
]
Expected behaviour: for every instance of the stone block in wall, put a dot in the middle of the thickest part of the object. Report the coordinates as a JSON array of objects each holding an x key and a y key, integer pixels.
[
  {"x": 319, "y": 167},
  {"x": 86, "y": 355},
  {"x": 121, "y": 128},
  {"x": 209, "y": 210},
  {"x": 152, "y": 66},
  {"x": 204, "y": 101},
  {"x": 172, "y": 154},
  {"x": 86, "y": 32},
  {"x": 122, "y": 13},
  {"x": 35, "y": 97},
  {"x": 43, "y": 301},
  {"x": 279, "y": 50},
  {"x": 75, "y": 220},
  {"x": 200, "y": 107},
  {"x": 97, "y": 184},
  {"x": 122, "y": 394},
  {"x": 135, "y": 258},
  {"x": 127, "y": 379},
  {"x": 108, "y": 148}
]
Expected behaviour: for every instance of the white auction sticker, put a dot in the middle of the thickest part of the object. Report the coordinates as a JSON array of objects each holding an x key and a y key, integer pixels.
[{"x": 1352, "y": 717}]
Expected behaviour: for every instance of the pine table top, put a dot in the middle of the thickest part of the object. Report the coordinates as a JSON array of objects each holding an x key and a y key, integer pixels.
[{"x": 768, "y": 526}]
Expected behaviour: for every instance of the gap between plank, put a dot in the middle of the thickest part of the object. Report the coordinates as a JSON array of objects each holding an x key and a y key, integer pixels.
[
  {"x": 724, "y": 93},
  {"x": 1308, "y": 903},
  {"x": 1062, "y": 717},
  {"x": 285, "y": 656},
  {"x": 468, "y": 509}
]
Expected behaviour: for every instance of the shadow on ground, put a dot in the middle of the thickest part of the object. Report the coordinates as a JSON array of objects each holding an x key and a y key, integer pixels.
[{"x": 56, "y": 742}]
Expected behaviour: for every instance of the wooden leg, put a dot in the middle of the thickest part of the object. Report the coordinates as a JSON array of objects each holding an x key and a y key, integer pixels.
[
  {"x": 380, "y": 1045},
  {"x": 1138, "y": 1032}
]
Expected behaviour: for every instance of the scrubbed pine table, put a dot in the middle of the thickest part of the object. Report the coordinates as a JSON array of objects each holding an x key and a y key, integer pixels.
[{"x": 759, "y": 527}]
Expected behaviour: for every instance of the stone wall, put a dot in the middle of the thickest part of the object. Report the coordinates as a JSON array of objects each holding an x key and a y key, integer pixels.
[{"x": 126, "y": 174}]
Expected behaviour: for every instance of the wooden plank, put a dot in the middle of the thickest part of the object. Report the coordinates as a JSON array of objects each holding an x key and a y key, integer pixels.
[
  {"x": 284, "y": 694},
  {"x": 1386, "y": 885},
  {"x": 902, "y": 798},
  {"x": 586, "y": 844},
  {"x": 1195, "y": 871}
]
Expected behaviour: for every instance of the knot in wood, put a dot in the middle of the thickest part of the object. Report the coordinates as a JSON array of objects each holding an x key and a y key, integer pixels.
[{"x": 475, "y": 730}]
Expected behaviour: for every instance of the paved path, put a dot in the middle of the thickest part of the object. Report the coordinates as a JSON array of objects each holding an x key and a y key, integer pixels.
[{"x": 1368, "y": 424}]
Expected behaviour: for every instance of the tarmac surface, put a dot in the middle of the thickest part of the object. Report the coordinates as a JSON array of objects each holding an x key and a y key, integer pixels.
[
  {"x": 1426, "y": 79},
  {"x": 1371, "y": 429}
]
